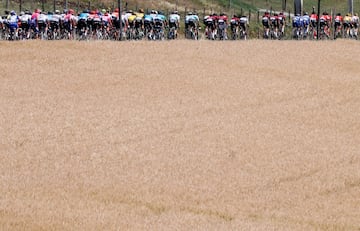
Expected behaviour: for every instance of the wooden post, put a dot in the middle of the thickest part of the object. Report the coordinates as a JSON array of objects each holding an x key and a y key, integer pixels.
[
  {"x": 120, "y": 20},
  {"x": 289, "y": 16},
  {"x": 283, "y": 5},
  {"x": 318, "y": 24},
  {"x": 351, "y": 6}
]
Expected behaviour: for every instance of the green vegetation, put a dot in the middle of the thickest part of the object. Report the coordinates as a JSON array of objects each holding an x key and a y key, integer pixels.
[
  {"x": 202, "y": 7},
  {"x": 229, "y": 6}
]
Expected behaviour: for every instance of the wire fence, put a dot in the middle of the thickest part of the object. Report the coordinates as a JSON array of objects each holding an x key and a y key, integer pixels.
[
  {"x": 229, "y": 8},
  {"x": 254, "y": 16}
]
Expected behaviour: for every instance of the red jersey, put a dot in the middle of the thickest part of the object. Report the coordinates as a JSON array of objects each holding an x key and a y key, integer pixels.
[
  {"x": 325, "y": 17},
  {"x": 223, "y": 17},
  {"x": 281, "y": 18},
  {"x": 214, "y": 17},
  {"x": 314, "y": 17},
  {"x": 34, "y": 16},
  {"x": 235, "y": 20},
  {"x": 274, "y": 18},
  {"x": 338, "y": 19}
]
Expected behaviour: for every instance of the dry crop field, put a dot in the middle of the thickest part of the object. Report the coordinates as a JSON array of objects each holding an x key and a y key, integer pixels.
[{"x": 180, "y": 135}]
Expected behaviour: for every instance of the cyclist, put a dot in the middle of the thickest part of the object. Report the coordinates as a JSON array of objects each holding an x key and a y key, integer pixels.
[
  {"x": 274, "y": 23},
  {"x": 192, "y": 23},
  {"x": 282, "y": 21},
  {"x": 25, "y": 22},
  {"x": 325, "y": 23},
  {"x": 337, "y": 25},
  {"x": 174, "y": 21},
  {"x": 148, "y": 25},
  {"x": 355, "y": 24},
  {"x": 82, "y": 25},
  {"x": 210, "y": 23},
  {"x": 42, "y": 22},
  {"x": 106, "y": 21},
  {"x": 139, "y": 24},
  {"x": 297, "y": 25},
  {"x": 13, "y": 21},
  {"x": 347, "y": 24},
  {"x": 159, "y": 27},
  {"x": 266, "y": 24},
  {"x": 305, "y": 23},
  {"x": 234, "y": 25},
  {"x": 222, "y": 25},
  {"x": 244, "y": 24}
]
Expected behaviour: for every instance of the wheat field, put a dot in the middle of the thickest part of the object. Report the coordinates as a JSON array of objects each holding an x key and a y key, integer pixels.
[{"x": 180, "y": 135}]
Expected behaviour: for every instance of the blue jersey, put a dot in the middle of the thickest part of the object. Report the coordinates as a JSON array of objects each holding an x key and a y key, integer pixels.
[
  {"x": 83, "y": 16},
  {"x": 306, "y": 20},
  {"x": 297, "y": 22},
  {"x": 148, "y": 18},
  {"x": 160, "y": 17}
]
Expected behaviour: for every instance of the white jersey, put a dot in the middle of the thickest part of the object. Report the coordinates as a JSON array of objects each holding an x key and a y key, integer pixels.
[
  {"x": 13, "y": 19},
  {"x": 126, "y": 16},
  {"x": 75, "y": 18},
  {"x": 174, "y": 18},
  {"x": 25, "y": 18},
  {"x": 153, "y": 15},
  {"x": 355, "y": 19},
  {"x": 191, "y": 18},
  {"x": 55, "y": 18},
  {"x": 42, "y": 18},
  {"x": 244, "y": 20}
]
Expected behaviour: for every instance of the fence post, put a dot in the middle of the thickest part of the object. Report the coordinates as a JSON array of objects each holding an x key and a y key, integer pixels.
[
  {"x": 289, "y": 16},
  {"x": 89, "y": 5},
  {"x": 54, "y": 6},
  {"x": 258, "y": 16},
  {"x": 249, "y": 15},
  {"x": 120, "y": 20}
]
